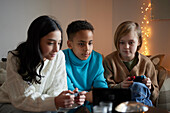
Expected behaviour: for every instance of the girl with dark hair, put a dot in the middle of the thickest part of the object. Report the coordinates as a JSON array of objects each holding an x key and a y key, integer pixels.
[{"x": 36, "y": 74}]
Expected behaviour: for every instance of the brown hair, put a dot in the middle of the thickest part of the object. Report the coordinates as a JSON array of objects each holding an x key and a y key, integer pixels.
[{"x": 123, "y": 29}]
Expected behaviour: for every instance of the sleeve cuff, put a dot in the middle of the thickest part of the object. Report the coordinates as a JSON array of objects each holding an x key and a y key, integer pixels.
[{"x": 49, "y": 104}]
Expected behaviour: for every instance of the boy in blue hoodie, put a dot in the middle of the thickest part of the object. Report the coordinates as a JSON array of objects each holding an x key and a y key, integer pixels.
[{"x": 83, "y": 64}]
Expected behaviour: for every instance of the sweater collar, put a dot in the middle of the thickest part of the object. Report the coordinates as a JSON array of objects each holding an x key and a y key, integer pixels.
[
  {"x": 123, "y": 65},
  {"x": 118, "y": 56},
  {"x": 76, "y": 61}
]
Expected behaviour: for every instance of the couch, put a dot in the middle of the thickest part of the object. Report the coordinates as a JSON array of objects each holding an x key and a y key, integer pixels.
[
  {"x": 2, "y": 72},
  {"x": 163, "y": 75}
]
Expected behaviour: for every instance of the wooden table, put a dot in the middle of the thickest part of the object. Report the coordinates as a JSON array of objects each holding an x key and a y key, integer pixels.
[
  {"x": 151, "y": 110},
  {"x": 156, "y": 110}
]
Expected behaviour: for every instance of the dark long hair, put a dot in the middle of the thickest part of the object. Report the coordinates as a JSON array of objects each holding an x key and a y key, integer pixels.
[{"x": 29, "y": 52}]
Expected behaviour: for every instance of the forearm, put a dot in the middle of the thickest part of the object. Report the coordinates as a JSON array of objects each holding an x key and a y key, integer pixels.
[
  {"x": 37, "y": 105},
  {"x": 154, "y": 93}
]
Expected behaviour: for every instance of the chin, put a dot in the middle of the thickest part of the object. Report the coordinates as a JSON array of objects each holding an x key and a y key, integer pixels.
[
  {"x": 50, "y": 58},
  {"x": 85, "y": 58}
]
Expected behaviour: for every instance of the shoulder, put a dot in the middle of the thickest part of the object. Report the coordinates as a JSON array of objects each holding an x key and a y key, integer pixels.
[
  {"x": 111, "y": 60},
  {"x": 59, "y": 56},
  {"x": 12, "y": 53},
  {"x": 96, "y": 58},
  {"x": 96, "y": 54},
  {"x": 65, "y": 51},
  {"x": 12, "y": 56},
  {"x": 111, "y": 56},
  {"x": 144, "y": 59},
  {"x": 58, "y": 61},
  {"x": 12, "y": 60}
]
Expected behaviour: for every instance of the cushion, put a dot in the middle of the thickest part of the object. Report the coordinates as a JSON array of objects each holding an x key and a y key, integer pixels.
[
  {"x": 2, "y": 75},
  {"x": 2, "y": 72},
  {"x": 157, "y": 59},
  {"x": 163, "y": 75},
  {"x": 3, "y": 65},
  {"x": 160, "y": 70}
]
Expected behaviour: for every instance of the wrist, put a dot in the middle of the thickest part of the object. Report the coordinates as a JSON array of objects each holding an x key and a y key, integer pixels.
[{"x": 56, "y": 104}]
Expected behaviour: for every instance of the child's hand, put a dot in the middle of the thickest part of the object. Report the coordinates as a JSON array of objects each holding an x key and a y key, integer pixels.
[
  {"x": 64, "y": 99},
  {"x": 89, "y": 96},
  {"x": 80, "y": 98},
  {"x": 147, "y": 82},
  {"x": 76, "y": 90},
  {"x": 126, "y": 83}
]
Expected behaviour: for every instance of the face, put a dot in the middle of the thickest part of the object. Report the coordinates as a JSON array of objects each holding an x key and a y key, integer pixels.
[
  {"x": 128, "y": 46},
  {"x": 50, "y": 44},
  {"x": 82, "y": 44}
]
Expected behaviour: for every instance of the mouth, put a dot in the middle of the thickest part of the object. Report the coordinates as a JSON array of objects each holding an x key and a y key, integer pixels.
[
  {"x": 86, "y": 55},
  {"x": 126, "y": 51},
  {"x": 52, "y": 55}
]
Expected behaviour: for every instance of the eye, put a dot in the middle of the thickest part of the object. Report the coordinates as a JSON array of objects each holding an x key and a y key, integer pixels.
[
  {"x": 131, "y": 42},
  {"x": 50, "y": 43},
  {"x": 81, "y": 44},
  {"x": 90, "y": 43},
  {"x": 121, "y": 42}
]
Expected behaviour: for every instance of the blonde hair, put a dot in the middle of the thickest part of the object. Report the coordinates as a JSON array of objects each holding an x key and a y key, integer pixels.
[{"x": 125, "y": 28}]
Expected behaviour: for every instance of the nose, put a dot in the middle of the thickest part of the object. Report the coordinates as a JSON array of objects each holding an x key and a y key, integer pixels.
[
  {"x": 86, "y": 47},
  {"x": 126, "y": 45},
  {"x": 56, "y": 48}
]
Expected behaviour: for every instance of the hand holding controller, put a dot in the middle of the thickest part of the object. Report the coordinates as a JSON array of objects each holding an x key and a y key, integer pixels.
[
  {"x": 131, "y": 78},
  {"x": 137, "y": 78},
  {"x": 75, "y": 94}
]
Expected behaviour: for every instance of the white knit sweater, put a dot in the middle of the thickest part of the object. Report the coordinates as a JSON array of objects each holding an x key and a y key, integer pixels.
[{"x": 36, "y": 97}]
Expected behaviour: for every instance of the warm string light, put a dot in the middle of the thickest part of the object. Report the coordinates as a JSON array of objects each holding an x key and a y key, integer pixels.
[{"x": 145, "y": 10}]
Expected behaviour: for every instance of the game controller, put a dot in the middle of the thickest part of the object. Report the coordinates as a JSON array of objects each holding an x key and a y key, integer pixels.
[
  {"x": 75, "y": 94},
  {"x": 137, "y": 78}
]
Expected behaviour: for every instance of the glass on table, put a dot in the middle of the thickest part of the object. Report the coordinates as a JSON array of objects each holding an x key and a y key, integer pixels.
[
  {"x": 107, "y": 104},
  {"x": 99, "y": 109}
]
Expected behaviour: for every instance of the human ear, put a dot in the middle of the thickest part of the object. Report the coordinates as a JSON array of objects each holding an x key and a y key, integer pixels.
[
  {"x": 139, "y": 42},
  {"x": 69, "y": 44}
]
